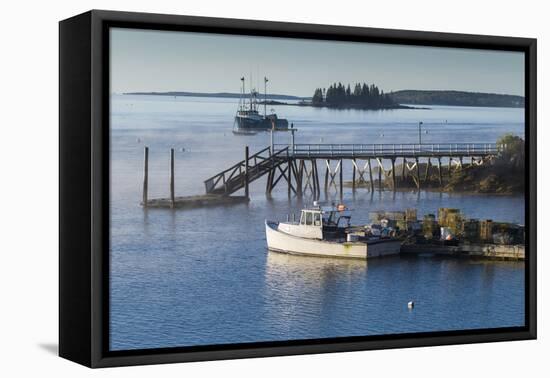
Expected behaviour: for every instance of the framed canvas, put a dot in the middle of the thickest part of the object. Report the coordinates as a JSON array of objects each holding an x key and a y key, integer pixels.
[{"x": 236, "y": 188}]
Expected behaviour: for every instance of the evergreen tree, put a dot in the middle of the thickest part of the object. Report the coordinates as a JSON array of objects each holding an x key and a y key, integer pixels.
[{"x": 317, "y": 96}]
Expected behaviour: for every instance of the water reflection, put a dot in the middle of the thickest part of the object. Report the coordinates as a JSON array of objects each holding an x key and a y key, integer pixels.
[{"x": 305, "y": 292}]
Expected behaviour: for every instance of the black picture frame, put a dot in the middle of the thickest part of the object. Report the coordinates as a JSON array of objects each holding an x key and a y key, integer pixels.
[{"x": 84, "y": 183}]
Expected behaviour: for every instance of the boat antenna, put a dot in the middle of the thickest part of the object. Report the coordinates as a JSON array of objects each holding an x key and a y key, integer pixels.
[{"x": 265, "y": 96}]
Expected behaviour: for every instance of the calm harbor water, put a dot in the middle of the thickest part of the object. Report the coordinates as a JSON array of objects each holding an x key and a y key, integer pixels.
[{"x": 204, "y": 276}]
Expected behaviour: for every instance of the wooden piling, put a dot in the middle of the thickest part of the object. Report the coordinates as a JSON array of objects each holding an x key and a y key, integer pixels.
[
  {"x": 393, "y": 173},
  {"x": 301, "y": 177},
  {"x": 172, "y": 196},
  {"x": 417, "y": 173},
  {"x": 380, "y": 175},
  {"x": 326, "y": 174},
  {"x": 427, "y": 173},
  {"x": 404, "y": 169},
  {"x": 246, "y": 178},
  {"x": 316, "y": 177},
  {"x": 370, "y": 177},
  {"x": 439, "y": 171},
  {"x": 268, "y": 181},
  {"x": 354, "y": 162},
  {"x": 289, "y": 173},
  {"x": 145, "y": 176},
  {"x": 341, "y": 177}
]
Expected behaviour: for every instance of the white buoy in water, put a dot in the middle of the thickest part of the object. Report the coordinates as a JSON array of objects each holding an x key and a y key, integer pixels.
[{"x": 410, "y": 305}]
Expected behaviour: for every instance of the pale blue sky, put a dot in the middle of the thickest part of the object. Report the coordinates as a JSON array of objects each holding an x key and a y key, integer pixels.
[{"x": 145, "y": 60}]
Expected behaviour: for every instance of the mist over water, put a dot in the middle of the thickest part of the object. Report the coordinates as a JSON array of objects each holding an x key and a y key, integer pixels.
[{"x": 204, "y": 276}]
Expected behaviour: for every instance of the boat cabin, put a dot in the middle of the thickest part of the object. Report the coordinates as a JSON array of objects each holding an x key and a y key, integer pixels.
[{"x": 321, "y": 223}]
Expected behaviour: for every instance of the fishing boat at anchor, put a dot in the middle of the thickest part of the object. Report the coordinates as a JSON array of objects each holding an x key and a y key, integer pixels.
[
  {"x": 248, "y": 119},
  {"x": 326, "y": 231}
]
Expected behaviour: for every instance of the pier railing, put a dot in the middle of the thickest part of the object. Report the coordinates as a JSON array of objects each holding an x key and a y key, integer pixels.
[{"x": 392, "y": 150}]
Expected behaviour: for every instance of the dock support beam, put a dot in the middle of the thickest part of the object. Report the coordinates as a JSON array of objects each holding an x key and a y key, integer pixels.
[
  {"x": 393, "y": 173},
  {"x": 439, "y": 171},
  {"x": 341, "y": 177},
  {"x": 172, "y": 196},
  {"x": 417, "y": 173},
  {"x": 145, "y": 175},
  {"x": 315, "y": 173},
  {"x": 428, "y": 166},
  {"x": 379, "y": 175},
  {"x": 326, "y": 175},
  {"x": 354, "y": 162},
  {"x": 246, "y": 172},
  {"x": 289, "y": 173},
  {"x": 370, "y": 177}
]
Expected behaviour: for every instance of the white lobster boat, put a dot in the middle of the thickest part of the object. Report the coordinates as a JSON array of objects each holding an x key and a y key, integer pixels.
[{"x": 326, "y": 231}]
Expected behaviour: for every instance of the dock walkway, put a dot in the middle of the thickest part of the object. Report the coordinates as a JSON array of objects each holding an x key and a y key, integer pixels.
[{"x": 297, "y": 164}]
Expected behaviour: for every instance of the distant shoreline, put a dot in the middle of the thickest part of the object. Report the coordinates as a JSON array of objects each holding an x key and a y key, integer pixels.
[
  {"x": 217, "y": 95},
  {"x": 412, "y": 97}
]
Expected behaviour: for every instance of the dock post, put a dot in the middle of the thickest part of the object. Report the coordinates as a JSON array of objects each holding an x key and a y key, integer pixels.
[
  {"x": 428, "y": 166},
  {"x": 353, "y": 175},
  {"x": 417, "y": 173},
  {"x": 172, "y": 197},
  {"x": 380, "y": 175},
  {"x": 326, "y": 175},
  {"x": 450, "y": 166},
  {"x": 341, "y": 177},
  {"x": 316, "y": 178},
  {"x": 145, "y": 175},
  {"x": 393, "y": 173},
  {"x": 289, "y": 173},
  {"x": 297, "y": 178},
  {"x": 403, "y": 169},
  {"x": 370, "y": 177},
  {"x": 246, "y": 172},
  {"x": 439, "y": 171}
]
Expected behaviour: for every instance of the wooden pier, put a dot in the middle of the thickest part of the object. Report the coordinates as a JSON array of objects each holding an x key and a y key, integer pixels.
[
  {"x": 298, "y": 165},
  {"x": 301, "y": 167}
]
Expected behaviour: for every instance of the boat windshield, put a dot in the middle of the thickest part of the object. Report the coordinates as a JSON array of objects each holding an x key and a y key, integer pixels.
[
  {"x": 333, "y": 218},
  {"x": 310, "y": 218}
]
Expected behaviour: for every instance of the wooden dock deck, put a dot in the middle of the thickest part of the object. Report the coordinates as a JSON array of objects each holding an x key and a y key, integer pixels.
[
  {"x": 493, "y": 251},
  {"x": 194, "y": 201}
]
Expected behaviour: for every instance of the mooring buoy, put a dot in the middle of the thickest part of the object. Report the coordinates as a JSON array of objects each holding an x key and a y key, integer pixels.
[{"x": 410, "y": 305}]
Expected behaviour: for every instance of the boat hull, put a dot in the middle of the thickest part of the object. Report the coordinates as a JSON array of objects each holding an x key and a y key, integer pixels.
[
  {"x": 279, "y": 241},
  {"x": 265, "y": 124}
]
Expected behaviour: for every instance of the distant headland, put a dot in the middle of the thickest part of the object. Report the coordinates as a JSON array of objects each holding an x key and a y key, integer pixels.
[{"x": 457, "y": 98}]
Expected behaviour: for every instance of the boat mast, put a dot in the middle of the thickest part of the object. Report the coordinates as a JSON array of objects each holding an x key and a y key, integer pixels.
[
  {"x": 241, "y": 100},
  {"x": 265, "y": 96},
  {"x": 251, "y": 106}
]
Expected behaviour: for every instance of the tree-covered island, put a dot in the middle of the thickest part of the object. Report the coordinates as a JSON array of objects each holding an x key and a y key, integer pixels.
[{"x": 362, "y": 96}]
